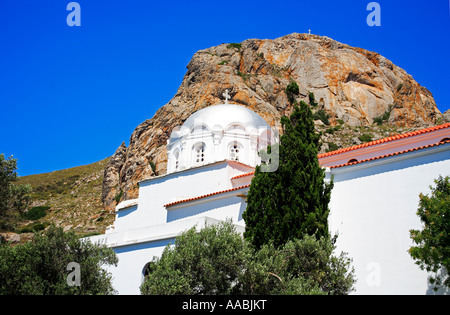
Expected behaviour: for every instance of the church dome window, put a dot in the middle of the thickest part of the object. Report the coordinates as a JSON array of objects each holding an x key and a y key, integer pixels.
[
  {"x": 235, "y": 151},
  {"x": 177, "y": 160},
  {"x": 198, "y": 153}
]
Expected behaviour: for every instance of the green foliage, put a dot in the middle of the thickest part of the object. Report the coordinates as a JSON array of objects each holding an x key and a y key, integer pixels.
[
  {"x": 47, "y": 185},
  {"x": 312, "y": 99},
  {"x": 40, "y": 266},
  {"x": 36, "y": 213},
  {"x": 433, "y": 241},
  {"x": 380, "y": 119},
  {"x": 234, "y": 45},
  {"x": 13, "y": 197},
  {"x": 323, "y": 116},
  {"x": 223, "y": 62},
  {"x": 330, "y": 130},
  {"x": 33, "y": 227},
  {"x": 303, "y": 266},
  {"x": 118, "y": 196},
  {"x": 217, "y": 260},
  {"x": 205, "y": 262},
  {"x": 291, "y": 91},
  {"x": 332, "y": 146},
  {"x": 365, "y": 137},
  {"x": 153, "y": 166},
  {"x": 292, "y": 201},
  {"x": 244, "y": 76}
]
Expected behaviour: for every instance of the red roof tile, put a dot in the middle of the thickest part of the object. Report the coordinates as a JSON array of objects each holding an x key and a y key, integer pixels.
[
  {"x": 388, "y": 139},
  {"x": 391, "y": 154},
  {"x": 204, "y": 196},
  {"x": 243, "y": 175}
]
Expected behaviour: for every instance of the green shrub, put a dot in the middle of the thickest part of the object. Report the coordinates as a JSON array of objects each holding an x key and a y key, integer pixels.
[
  {"x": 323, "y": 116},
  {"x": 312, "y": 99},
  {"x": 380, "y": 119},
  {"x": 118, "y": 196},
  {"x": 365, "y": 137},
  {"x": 39, "y": 267},
  {"x": 332, "y": 146},
  {"x": 36, "y": 213},
  {"x": 244, "y": 76},
  {"x": 217, "y": 260},
  {"x": 235, "y": 45},
  {"x": 33, "y": 227},
  {"x": 291, "y": 91}
]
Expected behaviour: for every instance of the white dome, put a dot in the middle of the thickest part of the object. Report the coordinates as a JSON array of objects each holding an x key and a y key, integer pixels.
[
  {"x": 225, "y": 115},
  {"x": 216, "y": 133}
]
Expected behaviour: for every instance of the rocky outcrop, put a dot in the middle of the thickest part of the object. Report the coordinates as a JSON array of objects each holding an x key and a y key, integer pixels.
[
  {"x": 447, "y": 116},
  {"x": 351, "y": 84},
  {"x": 111, "y": 177}
]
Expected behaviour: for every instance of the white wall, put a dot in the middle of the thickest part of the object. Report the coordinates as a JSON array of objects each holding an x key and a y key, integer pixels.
[
  {"x": 138, "y": 249},
  {"x": 155, "y": 193},
  {"x": 129, "y": 273},
  {"x": 373, "y": 207},
  {"x": 221, "y": 207},
  {"x": 142, "y": 231}
]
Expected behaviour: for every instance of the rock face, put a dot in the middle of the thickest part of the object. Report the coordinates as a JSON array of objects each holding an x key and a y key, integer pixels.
[
  {"x": 352, "y": 85},
  {"x": 111, "y": 176}
]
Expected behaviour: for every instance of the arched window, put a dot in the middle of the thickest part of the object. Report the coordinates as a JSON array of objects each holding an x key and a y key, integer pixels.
[
  {"x": 146, "y": 270},
  {"x": 235, "y": 151},
  {"x": 198, "y": 153},
  {"x": 199, "y": 129},
  {"x": 352, "y": 161},
  {"x": 444, "y": 140},
  {"x": 177, "y": 160},
  {"x": 236, "y": 129}
]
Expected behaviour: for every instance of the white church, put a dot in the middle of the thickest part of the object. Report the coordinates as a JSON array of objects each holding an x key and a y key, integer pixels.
[{"x": 211, "y": 160}]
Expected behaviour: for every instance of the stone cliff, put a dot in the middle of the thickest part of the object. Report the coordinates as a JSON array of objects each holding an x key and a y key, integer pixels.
[{"x": 352, "y": 85}]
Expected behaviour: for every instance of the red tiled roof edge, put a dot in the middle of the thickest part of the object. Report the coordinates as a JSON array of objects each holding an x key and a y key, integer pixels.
[
  {"x": 204, "y": 196},
  {"x": 243, "y": 175},
  {"x": 388, "y": 139},
  {"x": 391, "y": 154}
]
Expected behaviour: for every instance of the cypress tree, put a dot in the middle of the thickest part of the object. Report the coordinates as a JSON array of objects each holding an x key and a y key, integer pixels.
[{"x": 292, "y": 201}]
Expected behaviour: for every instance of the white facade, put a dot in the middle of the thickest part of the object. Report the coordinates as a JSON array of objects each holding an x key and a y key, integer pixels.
[
  {"x": 373, "y": 204},
  {"x": 144, "y": 226}
]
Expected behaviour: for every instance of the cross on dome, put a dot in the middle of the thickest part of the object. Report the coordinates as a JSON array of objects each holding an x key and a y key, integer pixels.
[{"x": 227, "y": 96}]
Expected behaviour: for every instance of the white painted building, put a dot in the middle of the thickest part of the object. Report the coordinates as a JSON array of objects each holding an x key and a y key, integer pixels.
[{"x": 211, "y": 159}]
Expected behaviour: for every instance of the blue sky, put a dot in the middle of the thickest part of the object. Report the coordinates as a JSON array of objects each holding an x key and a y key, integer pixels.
[{"x": 69, "y": 96}]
